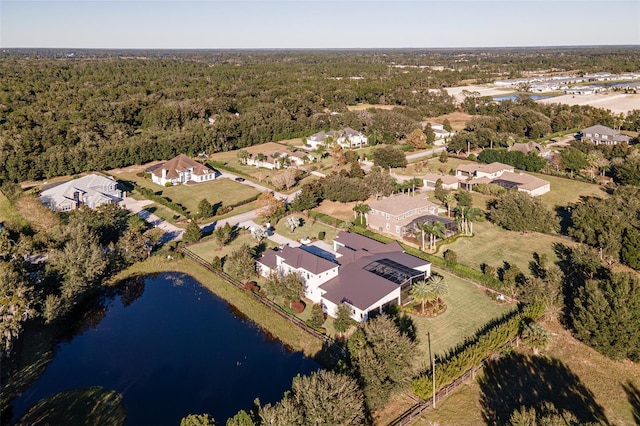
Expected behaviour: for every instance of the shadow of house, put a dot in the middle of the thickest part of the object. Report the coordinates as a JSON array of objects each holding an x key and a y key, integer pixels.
[{"x": 518, "y": 381}]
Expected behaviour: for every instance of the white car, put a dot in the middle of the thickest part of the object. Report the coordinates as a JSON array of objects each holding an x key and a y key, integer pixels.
[{"x": 305, "y": 240}]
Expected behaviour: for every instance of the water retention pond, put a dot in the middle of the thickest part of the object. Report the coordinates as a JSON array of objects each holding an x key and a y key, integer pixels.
[{"x": 171, "y": 348}]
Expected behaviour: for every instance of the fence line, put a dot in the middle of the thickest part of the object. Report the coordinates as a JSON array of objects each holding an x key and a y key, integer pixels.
[
  {"x": 412, "y": 413},
  {"x": 330, "y": 342}
]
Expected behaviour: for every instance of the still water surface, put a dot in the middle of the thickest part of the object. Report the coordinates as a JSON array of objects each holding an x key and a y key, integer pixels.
[{"x": 172, "y": 348}]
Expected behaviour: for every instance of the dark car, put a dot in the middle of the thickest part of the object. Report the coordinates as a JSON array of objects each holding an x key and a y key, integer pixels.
[{"x": 239, "y": 179}]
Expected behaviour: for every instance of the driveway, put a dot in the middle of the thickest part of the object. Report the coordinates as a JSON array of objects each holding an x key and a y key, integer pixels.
[
  {"x": 427, "y": 153},
  {"x": 171, "y": 232},
  {"x": 286, "y": 197}
]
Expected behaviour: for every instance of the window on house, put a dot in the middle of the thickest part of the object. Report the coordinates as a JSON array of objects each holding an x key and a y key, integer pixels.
[{"x": 388, "y": 226}]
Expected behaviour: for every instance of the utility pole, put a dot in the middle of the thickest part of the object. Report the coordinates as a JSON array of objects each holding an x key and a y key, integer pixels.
[{"x": 432, "y": 360}]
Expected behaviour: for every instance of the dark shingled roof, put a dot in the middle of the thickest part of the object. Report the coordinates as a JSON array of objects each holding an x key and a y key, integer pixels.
[
  {"x": 298, "y": 258},
  {"x": 268, "y": 259}
]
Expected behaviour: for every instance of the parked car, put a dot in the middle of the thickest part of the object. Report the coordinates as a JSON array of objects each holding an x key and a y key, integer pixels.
[{"x": 239, "y": 179}]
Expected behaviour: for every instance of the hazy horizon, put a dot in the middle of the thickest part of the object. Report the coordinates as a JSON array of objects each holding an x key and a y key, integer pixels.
[{"x": 308, "y": 24}]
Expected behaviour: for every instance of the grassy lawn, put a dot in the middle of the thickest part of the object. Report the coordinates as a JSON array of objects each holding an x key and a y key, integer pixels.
[
  {"x": 209, "y": 248},
  {"x": 493, "y": 245},
  {"x": 468, "y": 309},
  {"x": 566, "y": 191},
  {"x": 8, "y": 213},
  {"x": 220, "y": 190},
  {"x": 308, "y": 229},
  {"x": 600, "y": 375}
]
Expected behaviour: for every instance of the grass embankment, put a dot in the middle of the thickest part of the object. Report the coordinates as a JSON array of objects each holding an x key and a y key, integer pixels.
[
  {"x": 604, "y": 378},
  {"x": 468, "y": 309},
  {"x": 280, "y": 328},
  {"x": 90, "y": 406},
  {"x": 8, "y": 213}
]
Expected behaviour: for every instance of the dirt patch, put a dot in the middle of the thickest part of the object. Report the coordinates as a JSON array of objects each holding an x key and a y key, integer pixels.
[
  {"x": 361, "y": 107},
  {"x": 456, "y": 92},
  {"x": 343, "y": 211},
  {"x": 457, "y": 119},
  {"x": 618, "y": 103}
]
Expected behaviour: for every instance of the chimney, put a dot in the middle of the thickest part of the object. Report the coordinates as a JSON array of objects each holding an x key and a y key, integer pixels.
[{"x": 164, "y": 173}]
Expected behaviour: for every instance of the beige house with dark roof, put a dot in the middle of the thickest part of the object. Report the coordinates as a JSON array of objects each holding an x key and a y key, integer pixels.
[
  {"x": 180, "y": 169},
  {"x": 393, "y": 213}
]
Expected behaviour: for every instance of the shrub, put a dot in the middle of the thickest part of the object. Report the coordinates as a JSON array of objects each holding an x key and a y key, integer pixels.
[
  {"x": 321, "y": 235},
  {"x": 298, "y": 307},
  {"x": 252, "y": 286},
  {"x": 168, "y": 184},
  {"x": 450, "y": 256},
  {"x": 217, "y": 263}
]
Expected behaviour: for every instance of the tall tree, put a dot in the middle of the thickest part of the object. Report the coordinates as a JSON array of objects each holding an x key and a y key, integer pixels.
[
  {"x": 421, "y": 291},
  {"x": 384, "y": 358}
]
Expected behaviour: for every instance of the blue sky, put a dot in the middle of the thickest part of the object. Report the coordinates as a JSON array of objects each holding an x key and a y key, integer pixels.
[{"x": 316, "y": 24}]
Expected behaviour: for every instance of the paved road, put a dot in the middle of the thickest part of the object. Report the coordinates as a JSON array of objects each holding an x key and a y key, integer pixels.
[
  {"x": 428, "y": 153},
  {"x": 286, "y": 197}
]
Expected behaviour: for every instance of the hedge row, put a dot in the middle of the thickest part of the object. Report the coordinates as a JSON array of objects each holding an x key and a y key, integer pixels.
[
  {"x": 246, "y": 201},
  {"x": 325, "y": 218},
  {"x": 150, "y": 194},
  {"x": 473, "y": 351}
]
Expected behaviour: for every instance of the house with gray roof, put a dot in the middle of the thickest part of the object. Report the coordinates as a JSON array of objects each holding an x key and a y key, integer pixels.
[
  {"x": 346, "y": 138},
  {"x": 368, "y": 276},
  {"x": 603, "y": 135},
  {"x": 92, "y": 191},
  {"x": 180, "y": 169}
]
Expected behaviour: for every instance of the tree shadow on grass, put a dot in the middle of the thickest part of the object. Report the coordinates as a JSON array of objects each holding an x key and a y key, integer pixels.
[
  {"x": 633, "y": 395},
  {"x": 519, "y": 381}
]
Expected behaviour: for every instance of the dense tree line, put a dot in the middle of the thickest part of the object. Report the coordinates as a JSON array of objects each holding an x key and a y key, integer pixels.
[
  {"x": 84, "y": 248},
  {"x": 66, "y": 116},
  {"x": 501, "y": 124},
  {"x": 610, "y": 225},
  {"x": 531, "y": 162}
]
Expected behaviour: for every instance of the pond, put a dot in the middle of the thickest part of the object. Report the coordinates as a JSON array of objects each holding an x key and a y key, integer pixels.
[
  {"x": 513, "y": 97},
  {"x": 171, "y": 348}
]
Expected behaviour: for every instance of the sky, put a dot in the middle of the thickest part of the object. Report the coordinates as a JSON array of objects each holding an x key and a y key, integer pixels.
[{"x": 267, "y": 24}]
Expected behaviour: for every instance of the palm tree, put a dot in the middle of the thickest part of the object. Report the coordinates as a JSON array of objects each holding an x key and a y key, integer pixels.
[
  {"x": 421, "y": 291},
  {"x": 360, "y": 210},
  {"x": 437, "y": 231},
  {"x": 434, "y": 230},
  {"x": 535, "y": 336},
  {"x": 425, "y": 228},
  {"x": 439, "y": 287},
  {"x": 466, "y": 216},
  {"x": 448, "y": 201},
  {"x": 243, "y": 155}
]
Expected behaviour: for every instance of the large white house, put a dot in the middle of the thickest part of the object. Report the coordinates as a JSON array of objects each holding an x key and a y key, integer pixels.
[
  {"x": 346, "y": 138},
  {"x": 180, "y": 169},
  {"x": 500, "y": 174},
  {"x": 367, "y": 276},
  {"x": 91, "y": 191}
]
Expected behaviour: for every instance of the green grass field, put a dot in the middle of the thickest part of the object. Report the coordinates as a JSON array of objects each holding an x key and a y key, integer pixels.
[
  {"x": 468, "y": 309},
  {"x": 219, "y": 190},
  {"x": 308, "y": 229},
  {"x": 566, "y": 191},
  {"x": 208, "y": 248},
  {"x": 493, "y": 245},
  {"x": 8, "y": 213}
]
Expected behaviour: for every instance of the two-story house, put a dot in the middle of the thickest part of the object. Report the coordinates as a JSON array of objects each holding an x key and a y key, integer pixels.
[
  {"x": 603, "y": 135},
  {"x": 393, "y": 213},
  {"x": 180, "y": 169}
]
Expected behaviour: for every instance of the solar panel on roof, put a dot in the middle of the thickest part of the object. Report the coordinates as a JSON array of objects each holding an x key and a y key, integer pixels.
[{"x": 392, "y": 271}]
